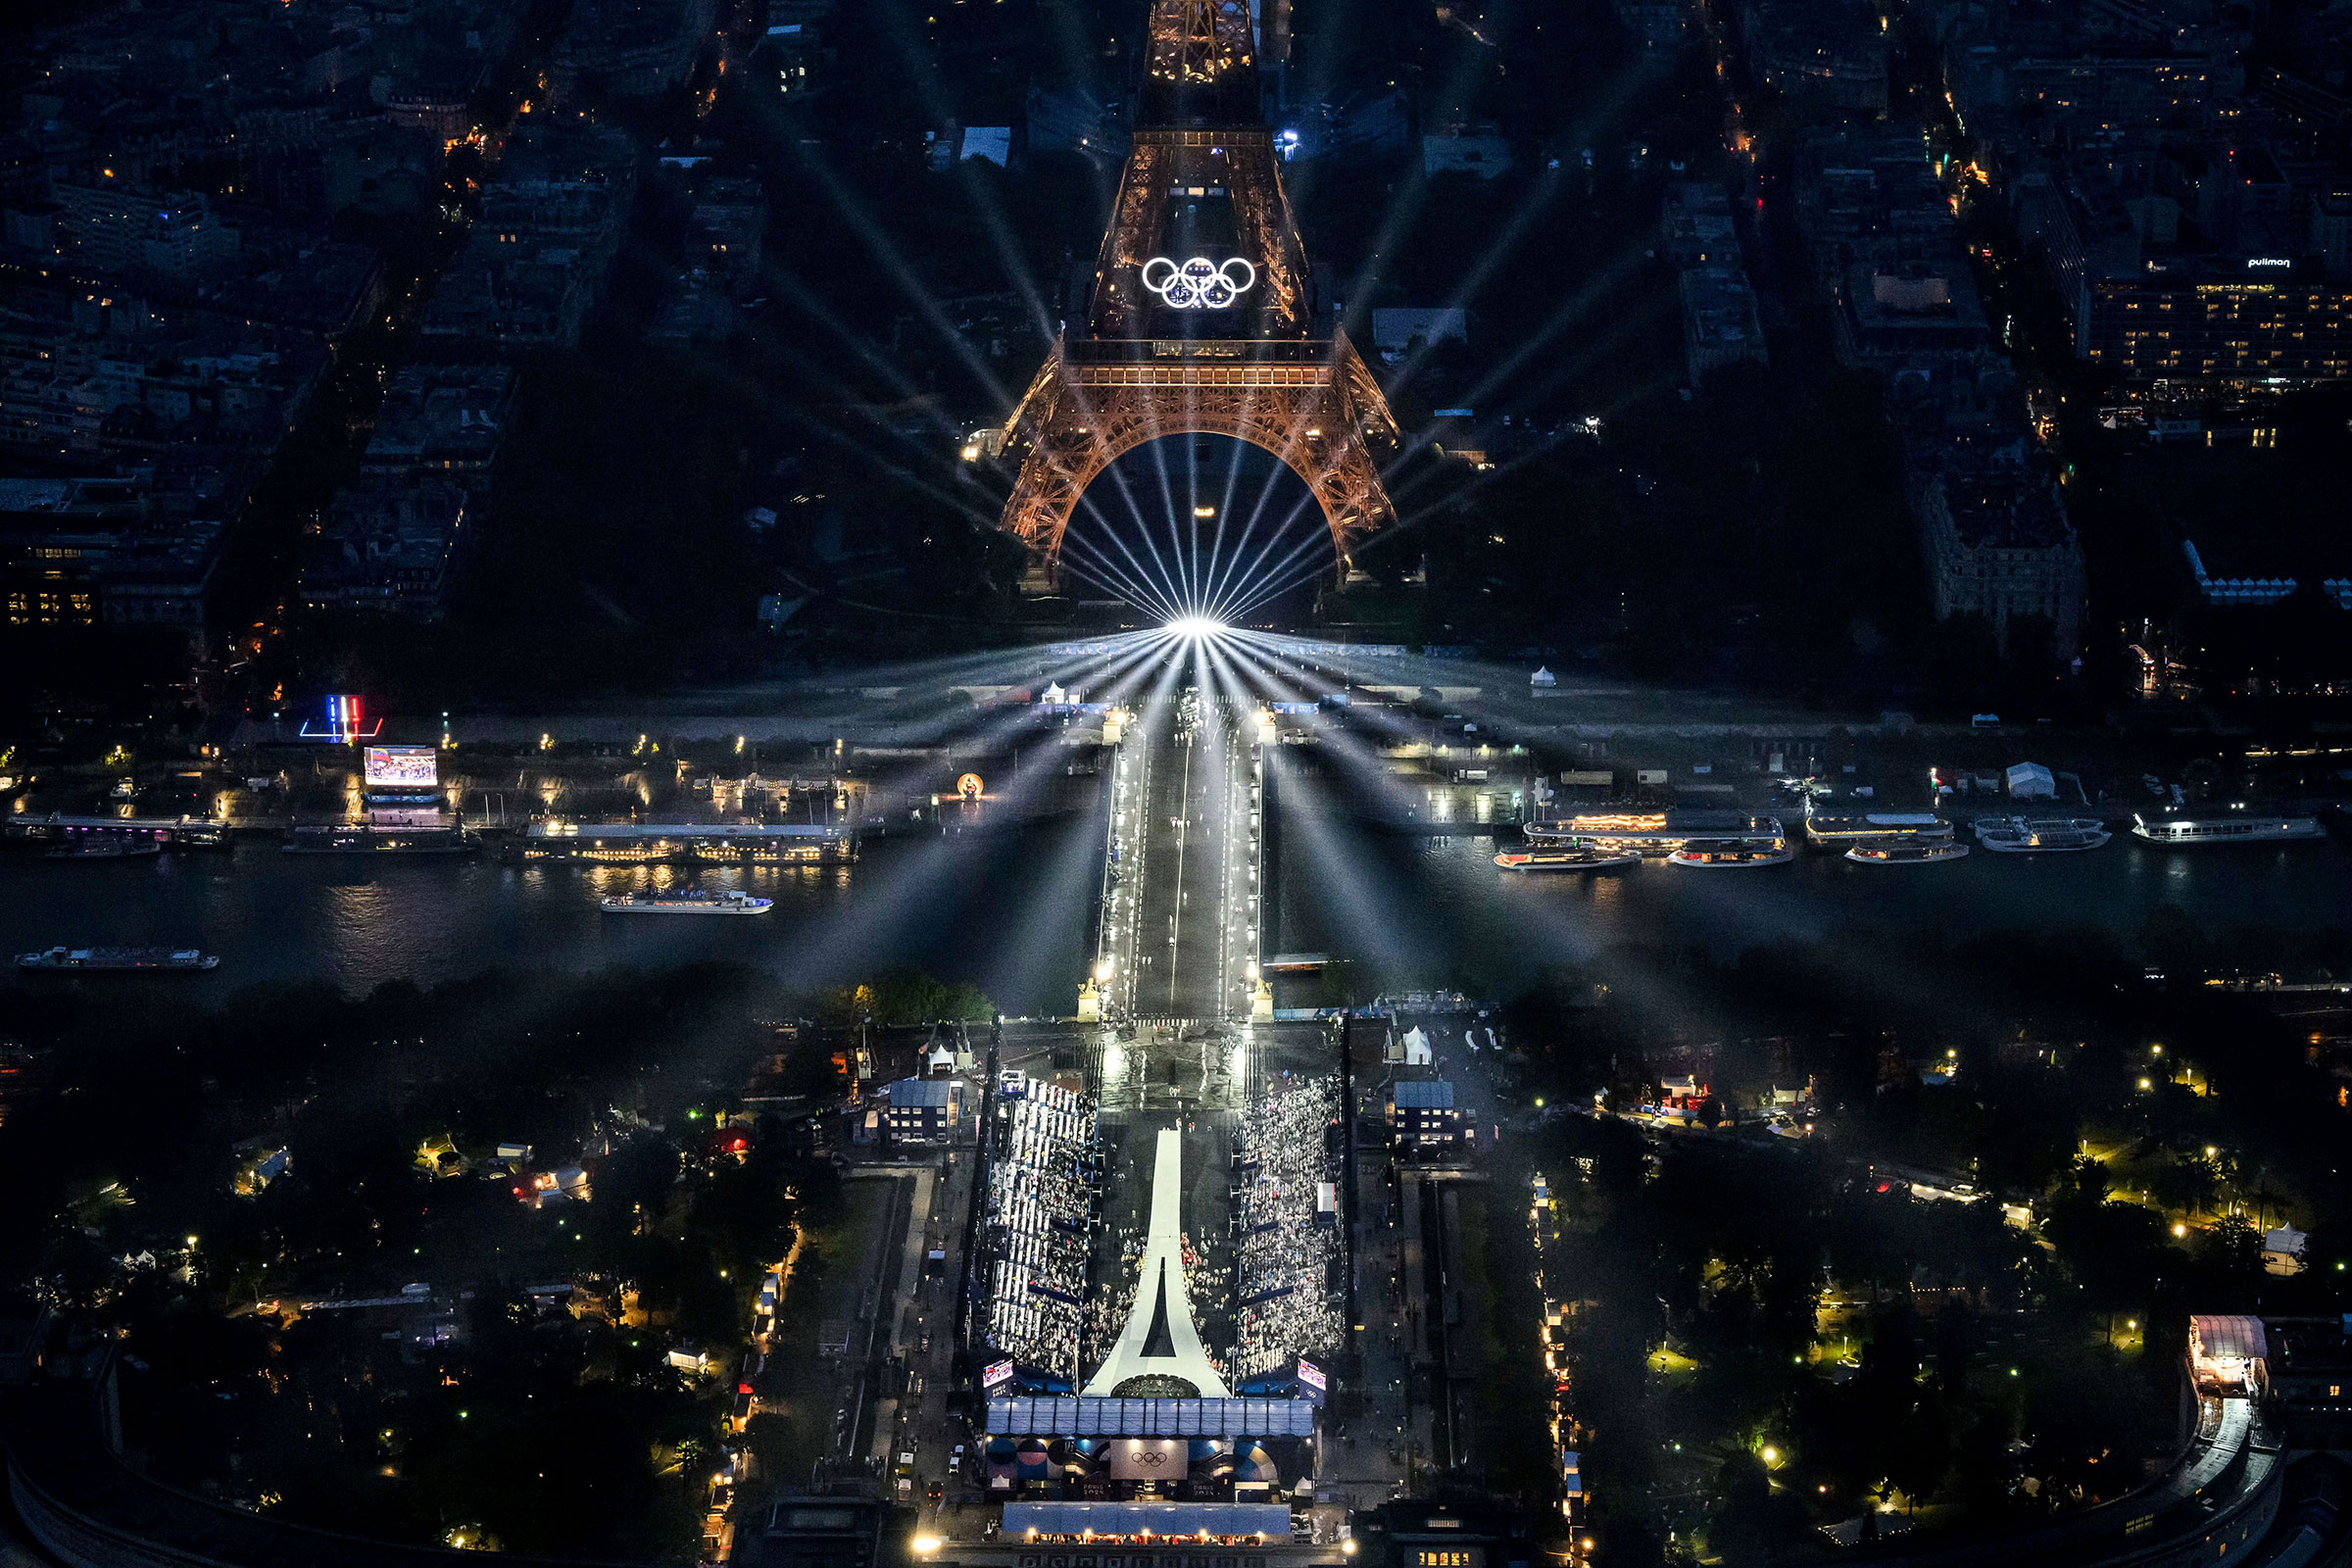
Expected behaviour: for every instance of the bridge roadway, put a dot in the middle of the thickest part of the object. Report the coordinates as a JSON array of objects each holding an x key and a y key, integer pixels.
[
  {"x": 1194, "y": 875},
  {"x": 1175, "y": 1062}
]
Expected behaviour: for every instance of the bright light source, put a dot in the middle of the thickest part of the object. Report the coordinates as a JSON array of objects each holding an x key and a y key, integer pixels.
[
  {"x": 1195, "y": 626},
  {"x": 926, "y": 1544}
]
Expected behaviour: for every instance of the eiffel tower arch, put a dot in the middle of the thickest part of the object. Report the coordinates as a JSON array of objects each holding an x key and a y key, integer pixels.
[{"x": 1198, "y": 320}]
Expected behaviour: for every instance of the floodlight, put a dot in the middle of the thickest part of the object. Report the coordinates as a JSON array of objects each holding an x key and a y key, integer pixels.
[{"x": 1195, "y": 626}]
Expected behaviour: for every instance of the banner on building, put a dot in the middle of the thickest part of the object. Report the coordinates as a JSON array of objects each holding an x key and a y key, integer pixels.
[{"x": 1148, "y": 1459}]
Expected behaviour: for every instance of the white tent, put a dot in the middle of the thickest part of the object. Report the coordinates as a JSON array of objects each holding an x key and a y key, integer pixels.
[
  {"x": 1416, "y": 1048},
  {"x": 2031, "y": 781},
  {"x": 2282, "y": 1251}
]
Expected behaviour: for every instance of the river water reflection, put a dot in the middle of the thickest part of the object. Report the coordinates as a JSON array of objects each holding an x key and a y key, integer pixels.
[
  {"x": 1437, "y": 912},
  {"x": 1012, "y": 911}
]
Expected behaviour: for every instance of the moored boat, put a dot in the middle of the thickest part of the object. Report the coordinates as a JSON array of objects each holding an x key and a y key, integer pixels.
[
  {"x": 356, "y": 840},
  {"x": 1905, "y": 851},
  {"x": 1565, "y": 858},
  {"x": 1662, "y": 834},
  {"x": 686, "y": 901},
  {"x": 107, "y": 847},
  {"x": 1830, "y": 824},
  {"x": 178, "y": 959},
  {"x": 2182, "y": 828},
  {"x": 1712, "y": 856},
  {"x": 2041, "y": 834}
]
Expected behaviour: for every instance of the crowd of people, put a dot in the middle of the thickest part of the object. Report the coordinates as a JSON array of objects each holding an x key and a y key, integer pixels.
[
  {"x": 1285, "y": 1247},
  {"x": 1042, "y": 1178}
]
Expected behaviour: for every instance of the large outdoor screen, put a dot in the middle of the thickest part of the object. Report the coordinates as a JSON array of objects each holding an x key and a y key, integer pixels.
[{"x": 403, "y": 767}]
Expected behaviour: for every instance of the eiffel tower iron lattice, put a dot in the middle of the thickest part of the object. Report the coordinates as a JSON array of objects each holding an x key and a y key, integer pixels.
[{"x": 1142, "y": 365}]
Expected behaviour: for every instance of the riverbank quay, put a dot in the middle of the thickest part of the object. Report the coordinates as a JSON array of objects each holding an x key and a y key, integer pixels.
[{"x": 558, "y": 797}]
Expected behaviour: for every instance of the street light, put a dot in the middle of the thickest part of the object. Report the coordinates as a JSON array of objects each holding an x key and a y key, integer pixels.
[{"x": 926, "y": 1544}]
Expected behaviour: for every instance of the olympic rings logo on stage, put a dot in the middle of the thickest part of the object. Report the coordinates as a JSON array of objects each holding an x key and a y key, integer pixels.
[{"x": 1199, "y": 284}]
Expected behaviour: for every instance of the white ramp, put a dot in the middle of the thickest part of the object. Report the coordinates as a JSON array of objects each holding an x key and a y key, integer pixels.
[{"x": 1159, "y": 1339}]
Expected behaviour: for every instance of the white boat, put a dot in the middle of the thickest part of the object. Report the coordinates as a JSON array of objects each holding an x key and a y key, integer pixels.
[
  {"x": 1716, "y": 857},
  {"x": 1905, "y": 851},
  {"x": 686, "y": 901},
  {"x": 2227, "y": 827},
  {"x": 1569, "y": 857},
  {"x": 2040, "y": 835}
]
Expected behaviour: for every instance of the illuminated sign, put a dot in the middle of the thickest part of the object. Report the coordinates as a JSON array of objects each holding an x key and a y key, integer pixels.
[
  {"x": 1310, "y": 1378},
  {"x": 1199, "y": 284},
  {"x": 403, "y": 767},
  {"x": 346, "y": 721},
  {"x": 969, "y": 786},
  {"x": 2270, "y": 260},
  {"x": 995, "y": 1377}
]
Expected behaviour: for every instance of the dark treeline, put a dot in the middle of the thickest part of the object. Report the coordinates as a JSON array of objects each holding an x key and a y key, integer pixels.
[
  {"x": 1781, "y": 1339},
  {"x": 134, "y": 1127}
]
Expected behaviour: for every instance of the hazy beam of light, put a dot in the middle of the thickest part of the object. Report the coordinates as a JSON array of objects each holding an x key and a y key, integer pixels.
[
  {"x": 1264, "y": 580},
  {"x": 917, "y": 889},
  {"x": 1490, "y": 261},
  {"x": 1034, "y": 951},
  {"x": 1230, "y": 595},
  {"x": 1603, "y": 111},
  {"x": 897, "y": 268},
  {"x": 1144, "y": 586},
  {"x": 921, "y": 68},
  {"x": 1397, "y": 935}
]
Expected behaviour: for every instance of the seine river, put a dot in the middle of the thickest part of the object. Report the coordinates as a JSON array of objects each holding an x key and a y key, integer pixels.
[
  {"x": 1392, "y": 900},
  {"x": 1012, "y": 910}
]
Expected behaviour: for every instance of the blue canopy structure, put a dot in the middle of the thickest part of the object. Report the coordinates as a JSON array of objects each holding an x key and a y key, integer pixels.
[{"x": 1271, "y": 1520}]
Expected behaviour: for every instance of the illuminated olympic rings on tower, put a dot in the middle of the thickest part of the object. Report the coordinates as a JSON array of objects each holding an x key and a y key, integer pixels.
[{"x": 1199, "y": 284}]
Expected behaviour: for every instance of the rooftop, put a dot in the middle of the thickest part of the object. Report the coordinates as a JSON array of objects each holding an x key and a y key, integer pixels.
[{"x": 908, "y": 1091}]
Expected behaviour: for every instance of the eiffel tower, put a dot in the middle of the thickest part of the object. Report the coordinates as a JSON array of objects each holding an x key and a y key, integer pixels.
[{"x": 1198, "y": 320}]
